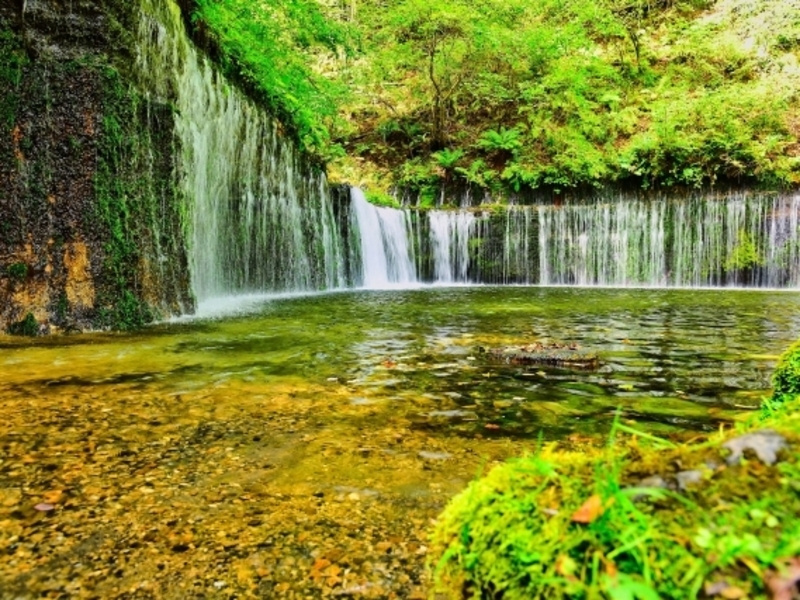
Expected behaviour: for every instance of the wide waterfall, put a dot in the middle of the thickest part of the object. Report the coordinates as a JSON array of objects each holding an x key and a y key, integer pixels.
[
  {"x": 734, "y": 240},
  {"x": 260, "y": 220}
]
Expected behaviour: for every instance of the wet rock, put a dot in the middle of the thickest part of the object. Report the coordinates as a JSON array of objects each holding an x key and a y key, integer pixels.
[
  {"x": 765, "y": 444},
  {"x": 551, "y": 354},
  {"x": 453, "y": 414}
]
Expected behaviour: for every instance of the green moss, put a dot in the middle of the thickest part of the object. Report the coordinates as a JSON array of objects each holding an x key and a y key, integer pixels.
[
  {"x": 17, "y": 271},
  {"x": 786, "y": 379},
  {"x": 12, "y": 62},
  {"x": 124, "y": 203},
  {"x": 515, "y": 534},
  {"x": 379, "y": 198},
  {"x": 28, "y": 327}
]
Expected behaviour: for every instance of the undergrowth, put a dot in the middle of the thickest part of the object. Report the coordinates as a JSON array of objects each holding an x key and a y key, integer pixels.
[{"x": 512, "y": 95}]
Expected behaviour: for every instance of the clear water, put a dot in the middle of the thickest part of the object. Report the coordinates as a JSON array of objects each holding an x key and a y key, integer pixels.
[
  {"x": 669, "y": 358},
  {"x": 243, "y": 449}
]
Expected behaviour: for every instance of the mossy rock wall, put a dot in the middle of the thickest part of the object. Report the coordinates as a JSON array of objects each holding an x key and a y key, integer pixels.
[{"x": 90, "y": 213}]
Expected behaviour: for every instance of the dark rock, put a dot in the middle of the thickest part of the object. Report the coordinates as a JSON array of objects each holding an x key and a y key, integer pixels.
[{"x": 81, "y": 138}]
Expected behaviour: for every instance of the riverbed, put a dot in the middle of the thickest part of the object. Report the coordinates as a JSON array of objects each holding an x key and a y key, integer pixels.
[{"x": 300, "y": 446}]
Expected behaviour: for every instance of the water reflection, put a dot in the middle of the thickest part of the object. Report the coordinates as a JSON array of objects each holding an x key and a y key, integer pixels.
[{"x": 684, "y": 357}]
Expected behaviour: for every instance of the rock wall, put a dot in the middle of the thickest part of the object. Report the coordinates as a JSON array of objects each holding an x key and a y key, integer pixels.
[{"x": 90, "y": 212}]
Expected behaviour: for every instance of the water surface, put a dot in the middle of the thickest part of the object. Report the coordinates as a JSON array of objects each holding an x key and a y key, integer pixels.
[{"x": 302, "y": 449}]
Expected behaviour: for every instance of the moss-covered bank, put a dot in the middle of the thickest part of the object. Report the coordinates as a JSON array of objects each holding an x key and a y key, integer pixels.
[
  {"x": 89, "y": 209},
  {"x": 640, "y": 518}
]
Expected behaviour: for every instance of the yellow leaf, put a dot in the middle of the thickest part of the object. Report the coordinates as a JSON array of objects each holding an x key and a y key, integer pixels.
[{"x": 589, "y": 510}]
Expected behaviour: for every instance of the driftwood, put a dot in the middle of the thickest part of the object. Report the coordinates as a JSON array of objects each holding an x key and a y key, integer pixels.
[{"x": 551, "y": 354}]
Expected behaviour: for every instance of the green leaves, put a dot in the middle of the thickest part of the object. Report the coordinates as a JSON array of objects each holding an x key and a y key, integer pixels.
[
  {"x": 273, "y": 45},
  {"x": 625, "y": 587},
  {"x": 508, "y": 140}
]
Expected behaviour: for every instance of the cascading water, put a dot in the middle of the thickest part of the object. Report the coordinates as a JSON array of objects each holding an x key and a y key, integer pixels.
[
  {"x": 739, "y": 240},
  {"x": 386, "y": 255},
  {"x": 450, "y": 234},
  {"x": 260, "y": 221}
]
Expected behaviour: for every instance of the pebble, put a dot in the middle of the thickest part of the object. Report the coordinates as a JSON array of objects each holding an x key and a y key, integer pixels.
[
  {"x": 428, "y": 455},
  {"x": 688, "y": 478}
]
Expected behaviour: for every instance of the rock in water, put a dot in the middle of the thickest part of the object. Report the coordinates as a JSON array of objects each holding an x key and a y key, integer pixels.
[{"x": 552, "y": 354}]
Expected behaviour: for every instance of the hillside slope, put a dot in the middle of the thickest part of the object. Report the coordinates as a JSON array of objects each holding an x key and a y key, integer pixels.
[{"x": 513, "y": 95}]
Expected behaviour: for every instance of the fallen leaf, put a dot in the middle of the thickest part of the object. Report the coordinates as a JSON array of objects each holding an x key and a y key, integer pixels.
[
  {"x": 611, "y": 568},
  {"x": 589, "y": 510},
  {"x": 566, "y": 566},
  {"x": 53, "y": 497},
  {"x": 733, "y": 593},
  {"x": 784, "y": 584}
]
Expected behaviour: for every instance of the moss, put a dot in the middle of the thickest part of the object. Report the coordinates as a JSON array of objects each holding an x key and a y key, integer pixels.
[
  {"x": 28, "y": 327},
  {"x": 786, "y": 379},
  {"x": 379, "y": 198},
  {"x": 565, "y": 524},
  {"x": 17, "y": 271},
  {"x": 127, "y": 187},
  {"x": 12, "y": 61}
]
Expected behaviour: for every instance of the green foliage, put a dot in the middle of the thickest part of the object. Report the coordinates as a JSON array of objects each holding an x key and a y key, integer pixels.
[
  {"x": 553, "y": 94},
  {"x": 27, "y": 327},
  {"x": 271, "y": 45},
  {"x": 568, "y": 524},
  {"x": 786, "y": 379},
  {"x": 448, "y": 159},
  {"x": 17, "y": 271},
  {"x": 745, "y": 254},
  {"x": 574, "y": 93},
  {"x": 504, "y": 140}
]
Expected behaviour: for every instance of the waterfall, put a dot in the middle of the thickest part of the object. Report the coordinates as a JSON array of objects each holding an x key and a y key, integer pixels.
[
  {"x": 259, "y": 220},
  {"x": 738, "y": 240},
  {"x": 450, "y": 235},
  {"x": 387, "y": 257}
]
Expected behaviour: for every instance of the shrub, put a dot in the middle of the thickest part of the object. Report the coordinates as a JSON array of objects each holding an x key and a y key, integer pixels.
[
  {"x": 27, "y": 326},
  {"x": 786, "y": 379}
]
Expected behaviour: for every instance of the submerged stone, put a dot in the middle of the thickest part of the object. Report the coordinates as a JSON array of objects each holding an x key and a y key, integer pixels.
[
  {"x": 428, "y": 455},
  {"x": 688, "y": 478},
  {"x": 554, "y": 354}
]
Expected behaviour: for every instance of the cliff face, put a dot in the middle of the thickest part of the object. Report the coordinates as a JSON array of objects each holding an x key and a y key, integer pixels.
[{"x": 90, "y": 212}]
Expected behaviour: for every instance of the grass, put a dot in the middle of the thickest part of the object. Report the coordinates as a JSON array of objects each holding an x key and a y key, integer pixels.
[{"x": 615, "y": 522}]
